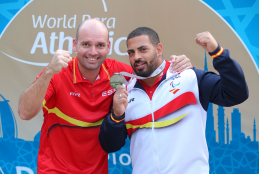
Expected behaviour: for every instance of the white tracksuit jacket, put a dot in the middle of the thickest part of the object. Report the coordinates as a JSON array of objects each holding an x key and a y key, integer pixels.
[{"x": 170, "y": 125}]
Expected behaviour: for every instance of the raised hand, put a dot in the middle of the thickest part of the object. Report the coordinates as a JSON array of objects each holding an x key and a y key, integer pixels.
[
  {"x": 60, "y": 60},
  {"x": 206, "y": 41}
]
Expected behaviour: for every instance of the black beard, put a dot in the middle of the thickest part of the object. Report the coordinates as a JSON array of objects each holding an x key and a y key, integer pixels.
[{"x": 151, "y": 67}]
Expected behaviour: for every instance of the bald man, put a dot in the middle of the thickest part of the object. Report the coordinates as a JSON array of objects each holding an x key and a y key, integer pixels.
[{"x": 76, "y": 96}]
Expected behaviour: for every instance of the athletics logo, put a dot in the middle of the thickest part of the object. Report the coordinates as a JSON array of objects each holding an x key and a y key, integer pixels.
[
  {"x": 46, "y": 31},
  {"x": 174, "y": 90}
]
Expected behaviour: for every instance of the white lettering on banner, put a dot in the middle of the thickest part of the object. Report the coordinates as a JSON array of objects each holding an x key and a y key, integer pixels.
[
  {"x": 117, "y": 46},
  {"x": 110, "y": 22},
  {"x": 64, "y": 24},
  {"x": 40, "y": 42},
  {"x": 114, "y": 158},
  {"x": 35, "y": 25},
  {"x": 40, "y": 37},
  {"x": 53, "y": 22},
  {"x": 73, "y": 24},
  {"x": 62, "y": 40},
  {"x": 114, "y": 161},
  {"x": 20, "y": 169},
  {"x": 84, "y": 16},
  {"x": 128, "y": 159},
  {"x": 111, "y": 40},
  {"x": 1, "y": 171},
  {"x": 53, "y": 37}
]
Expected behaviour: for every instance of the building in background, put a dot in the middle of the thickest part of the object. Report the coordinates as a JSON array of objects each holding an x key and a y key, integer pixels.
[{"x": 237, "y": 156}]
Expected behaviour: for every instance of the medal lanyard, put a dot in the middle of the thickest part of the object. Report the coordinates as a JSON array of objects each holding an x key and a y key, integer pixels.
[
  {"x": 156, "y": 72},
  {"x": 118, "y": 78}
]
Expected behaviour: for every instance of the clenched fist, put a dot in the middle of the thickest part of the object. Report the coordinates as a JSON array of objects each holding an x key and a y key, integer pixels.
[
  {"x": 206, "y": 41},
  {"x": 60, "y": 60}
]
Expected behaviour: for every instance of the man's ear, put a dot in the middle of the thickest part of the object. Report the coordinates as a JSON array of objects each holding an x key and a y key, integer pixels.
[
  {"x": 74, "y": 45},
  {"x": 108, "y": 47},
  {"x": 159, "y": 49}
]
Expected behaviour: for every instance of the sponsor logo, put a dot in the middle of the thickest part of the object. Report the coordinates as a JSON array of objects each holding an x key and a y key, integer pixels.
[
  {"x": 109, "y": 92},
  {"x": 176, "y": 76},
  {"x": 75, "y": 94},
  {"x": 131, "y": 100}
]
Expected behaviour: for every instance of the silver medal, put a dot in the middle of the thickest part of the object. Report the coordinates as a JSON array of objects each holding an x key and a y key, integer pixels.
[{"x": 116, "y": 81}]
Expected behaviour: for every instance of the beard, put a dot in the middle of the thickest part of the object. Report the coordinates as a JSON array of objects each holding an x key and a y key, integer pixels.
[{"x": 150, "y": 67}]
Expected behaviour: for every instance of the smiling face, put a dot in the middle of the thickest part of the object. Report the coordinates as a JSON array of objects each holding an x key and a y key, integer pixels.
[
  {"x": 92, "y": 46},
  {"x": 143, "y": 56}
]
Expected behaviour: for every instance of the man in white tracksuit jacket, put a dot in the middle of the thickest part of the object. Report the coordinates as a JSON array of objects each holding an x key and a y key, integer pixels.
[{"x": 165, "y": 115}]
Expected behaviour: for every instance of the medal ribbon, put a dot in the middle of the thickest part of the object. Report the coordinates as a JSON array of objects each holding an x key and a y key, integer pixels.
[{"x": 156, "y": 72}]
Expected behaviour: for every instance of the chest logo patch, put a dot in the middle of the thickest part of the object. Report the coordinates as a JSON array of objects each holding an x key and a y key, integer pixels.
[
  {"x": 174, "y": 90},
  {"x": 75, "y": 94}
]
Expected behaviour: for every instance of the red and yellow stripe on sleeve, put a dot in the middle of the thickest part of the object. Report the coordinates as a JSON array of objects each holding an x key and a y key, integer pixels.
[
  {"x": 218, "y": 53},
  {"x": 117, "y": 121}
]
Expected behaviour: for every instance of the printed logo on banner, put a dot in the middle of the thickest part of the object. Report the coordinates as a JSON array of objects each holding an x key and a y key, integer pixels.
[
  {"x": 46, "y": 43},
  {"x": 17, "y": 155},
  {"x": 237, "y": 156}
]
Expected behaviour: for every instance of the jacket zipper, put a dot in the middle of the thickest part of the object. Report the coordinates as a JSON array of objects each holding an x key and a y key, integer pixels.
[{"x": 155, "y": 156}]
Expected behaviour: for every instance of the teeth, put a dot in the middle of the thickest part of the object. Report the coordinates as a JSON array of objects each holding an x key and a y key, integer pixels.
[{"x": 91, "y": 59}]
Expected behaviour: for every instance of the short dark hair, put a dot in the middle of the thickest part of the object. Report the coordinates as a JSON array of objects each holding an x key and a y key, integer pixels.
[{"x": 152, "y": 35}]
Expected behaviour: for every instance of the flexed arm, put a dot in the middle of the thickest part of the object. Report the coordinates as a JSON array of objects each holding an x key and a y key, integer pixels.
[
  {"x": 229, "y": 88},
  {"x": 30, "y": 102}
]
